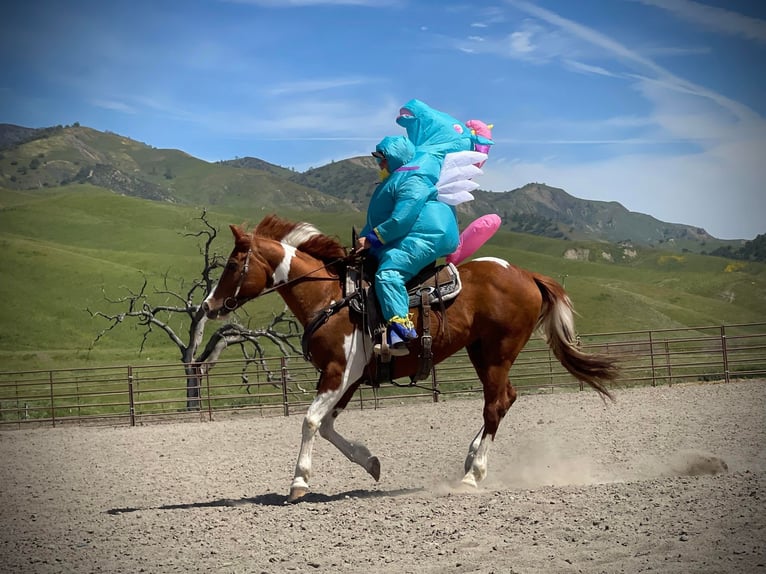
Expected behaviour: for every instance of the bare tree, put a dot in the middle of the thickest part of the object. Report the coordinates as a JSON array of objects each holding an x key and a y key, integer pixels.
[{"x": 283, "y": 331}]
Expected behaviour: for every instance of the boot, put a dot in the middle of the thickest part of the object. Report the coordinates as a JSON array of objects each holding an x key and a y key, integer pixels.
[{"x": 400, "y": 331}]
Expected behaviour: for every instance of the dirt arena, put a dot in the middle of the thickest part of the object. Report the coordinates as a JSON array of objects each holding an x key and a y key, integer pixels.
[{"x": 574, "y": 486}]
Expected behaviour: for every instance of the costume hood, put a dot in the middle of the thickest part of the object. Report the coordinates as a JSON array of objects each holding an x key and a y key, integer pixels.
[{"x": 397, "y": 149}]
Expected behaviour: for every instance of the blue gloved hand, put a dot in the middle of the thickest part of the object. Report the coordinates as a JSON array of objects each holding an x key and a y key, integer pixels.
[{"x": 373, "y": 240}]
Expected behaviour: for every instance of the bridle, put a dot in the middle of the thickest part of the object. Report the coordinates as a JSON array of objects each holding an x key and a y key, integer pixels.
[
  {"x": 231, "y": 303},
  {"x": 243, "y": 274}
]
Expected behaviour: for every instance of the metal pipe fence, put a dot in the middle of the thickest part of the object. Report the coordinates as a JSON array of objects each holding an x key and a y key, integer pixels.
[{"x": 136, "y": 395}]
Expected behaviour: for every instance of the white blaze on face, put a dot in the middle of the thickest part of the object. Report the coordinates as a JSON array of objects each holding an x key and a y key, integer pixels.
[
  {"x": 209, "y": 300},
  {"x": 282, "y": 272}
]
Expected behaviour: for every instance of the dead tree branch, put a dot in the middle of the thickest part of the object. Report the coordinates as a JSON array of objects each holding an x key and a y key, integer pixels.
[{"x": 161, "y": 308}]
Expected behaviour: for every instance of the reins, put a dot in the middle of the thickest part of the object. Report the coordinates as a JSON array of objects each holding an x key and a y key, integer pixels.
[{"x": 246, "y": 268}]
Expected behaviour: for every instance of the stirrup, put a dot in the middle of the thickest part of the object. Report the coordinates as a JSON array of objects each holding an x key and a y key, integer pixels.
[{"x": 396, "y": 346}]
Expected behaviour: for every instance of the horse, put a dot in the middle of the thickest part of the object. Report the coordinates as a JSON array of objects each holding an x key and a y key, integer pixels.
[{"x": 494, "y": 315}]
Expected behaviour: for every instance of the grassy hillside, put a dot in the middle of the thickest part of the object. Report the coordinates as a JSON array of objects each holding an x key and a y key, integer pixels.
[
  {"x": 83, "y": 155},
  {"x": 64, "y": 249},
  {"x": 32, "y": 159}
]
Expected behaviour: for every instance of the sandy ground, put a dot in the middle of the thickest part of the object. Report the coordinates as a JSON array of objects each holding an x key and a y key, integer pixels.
[{"x": 573, "y": 486}]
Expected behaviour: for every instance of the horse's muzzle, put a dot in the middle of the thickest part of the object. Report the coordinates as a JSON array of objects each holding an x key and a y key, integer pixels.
[{"x": 212, "y": 313}]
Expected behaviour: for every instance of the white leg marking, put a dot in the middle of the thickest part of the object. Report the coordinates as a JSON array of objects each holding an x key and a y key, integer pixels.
[
  {"x": 320, "y": 414},
  {"x": 476, "y": 461}
]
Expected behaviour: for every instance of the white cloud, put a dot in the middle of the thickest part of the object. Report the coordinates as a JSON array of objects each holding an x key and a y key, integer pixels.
[
  {"x": 588, "y": 69},
  {"x": 299, "y": 3},
  {"x": 713, "y": 18},
  {"x": 114, "y": 105},
  {"x": 521, "y": 42},
  {"x": 320, "y": 85},
  {"x": 718, "y": 190},
  {"x": 716, "y": 182}
]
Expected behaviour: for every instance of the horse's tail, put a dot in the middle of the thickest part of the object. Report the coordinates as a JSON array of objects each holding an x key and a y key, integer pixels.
[{"x": 557, "y": 322}]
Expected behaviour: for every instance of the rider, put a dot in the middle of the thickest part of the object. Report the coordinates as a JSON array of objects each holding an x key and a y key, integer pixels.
[{"x": 407, "y": 228}]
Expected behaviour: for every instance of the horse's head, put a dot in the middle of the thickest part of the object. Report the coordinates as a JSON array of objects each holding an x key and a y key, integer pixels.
[{"x": 244, "y": 277}]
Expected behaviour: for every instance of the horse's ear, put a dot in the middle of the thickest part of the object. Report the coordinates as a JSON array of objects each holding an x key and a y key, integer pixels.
[
  {"x": 240, "y": 235},
  {"x": 237, "y": 231}
]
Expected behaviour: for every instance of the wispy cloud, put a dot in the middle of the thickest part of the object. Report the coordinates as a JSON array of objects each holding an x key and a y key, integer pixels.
[
  {"x": 647, "y": 70},
  {"x": 521, "y": 42},
  {"x": 303, "y": 3},
  {"x": 713, "y": 18},
  {"x": 588, "y": 69},
  {"x": 319, "y": 85},
  {"x": 114, "y": 105},
  {"x": 307, "y": 120}
]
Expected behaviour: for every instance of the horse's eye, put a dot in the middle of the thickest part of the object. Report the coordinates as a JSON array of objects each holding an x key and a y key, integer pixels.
[{"x": 231, "y": 266}]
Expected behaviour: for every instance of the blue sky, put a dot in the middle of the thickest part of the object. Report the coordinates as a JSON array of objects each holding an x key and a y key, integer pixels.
[{"x": 656, "y": 104}]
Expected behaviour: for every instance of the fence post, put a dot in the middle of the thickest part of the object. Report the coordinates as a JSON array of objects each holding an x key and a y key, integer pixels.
[
  {"x": 209, "y": 404},
  {"x": 651, "y": 358},
  {"x": 667, "y": 362},
  {"x": 131, "y": 399},
  {"x": 283, "y": 368},
  {"x": 434, "y": 384},
  {"x": 53, "y": 407},
  {"x": 725, "y": 354}
]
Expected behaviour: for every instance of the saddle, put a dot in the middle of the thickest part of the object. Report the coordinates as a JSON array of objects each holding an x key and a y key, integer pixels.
[
  {"x": 434, "y": 284},
  {"x": 441, "y": 283}
]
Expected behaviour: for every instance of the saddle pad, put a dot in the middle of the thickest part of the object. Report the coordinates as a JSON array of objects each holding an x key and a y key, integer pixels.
[{"x": 442, "y": 282}]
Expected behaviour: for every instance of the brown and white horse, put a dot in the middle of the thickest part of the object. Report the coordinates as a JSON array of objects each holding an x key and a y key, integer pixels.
[{"x": 493, "y": 317}]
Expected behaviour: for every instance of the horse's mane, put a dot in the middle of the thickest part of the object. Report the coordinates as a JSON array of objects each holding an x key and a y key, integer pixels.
[{"x": 303, "y": 236}]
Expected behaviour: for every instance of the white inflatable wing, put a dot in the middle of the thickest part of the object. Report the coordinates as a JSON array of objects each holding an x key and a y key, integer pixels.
[
  {"x": 457, "y": 173},
  {"x": 455, "y": 180},
  {"x": 457, "y": 192},
  {"x": 460, "y": 158}
]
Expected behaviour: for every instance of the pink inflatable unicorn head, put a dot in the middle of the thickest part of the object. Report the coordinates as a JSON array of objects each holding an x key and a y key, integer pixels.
[{"x": 484, "y": 133}]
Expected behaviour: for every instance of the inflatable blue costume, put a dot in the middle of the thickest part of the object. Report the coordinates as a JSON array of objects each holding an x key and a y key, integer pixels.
[{"x": 407, "y": 226}]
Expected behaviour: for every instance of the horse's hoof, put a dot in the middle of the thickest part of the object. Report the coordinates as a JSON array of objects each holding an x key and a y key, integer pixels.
[
  {"x": 373, "y": 467},
  {"x": 469, "y": 482},
  {"x": 296, "y": 494}
]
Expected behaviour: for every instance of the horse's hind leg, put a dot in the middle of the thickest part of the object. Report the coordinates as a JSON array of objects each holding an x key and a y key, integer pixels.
[{"x": 499, "y": 395}]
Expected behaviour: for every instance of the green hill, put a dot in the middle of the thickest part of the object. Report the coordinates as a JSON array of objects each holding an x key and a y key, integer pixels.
[
  {"x": 82, "y": 155},
  {"x": 86, "y": 217},
  {"x": 66, "y": 250},
  {"x": 33, "y": 159}
]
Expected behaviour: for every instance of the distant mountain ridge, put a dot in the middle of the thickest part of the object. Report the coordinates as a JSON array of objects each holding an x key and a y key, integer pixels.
[{"x": 50, "y": 157}]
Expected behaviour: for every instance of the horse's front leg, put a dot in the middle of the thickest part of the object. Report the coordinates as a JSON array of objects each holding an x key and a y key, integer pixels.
[
  {"x": 354, "y": 451},
  {"x": 336, "y": 386},
  {"x": 320, "y": 407}
]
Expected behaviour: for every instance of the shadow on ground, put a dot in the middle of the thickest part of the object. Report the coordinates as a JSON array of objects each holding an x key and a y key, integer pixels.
[{"x": 271, "y": 499}]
